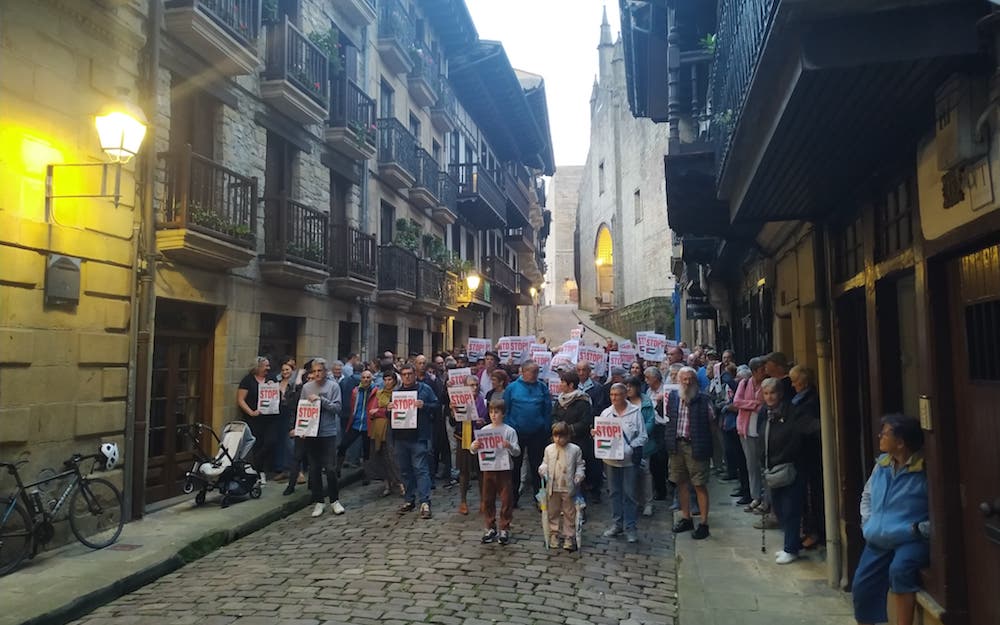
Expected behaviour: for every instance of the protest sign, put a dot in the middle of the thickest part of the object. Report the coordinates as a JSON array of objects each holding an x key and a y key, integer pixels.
[
  {"x": 608, "y": 441},
  {"x": 626, "y": 344},
  {"x": 491, "y": 453},
  {"x": 463, "y": 403},
  {"x": 650, "y": 345},
  {"x": 307, "y": 418},
  {"x": 457, "y": 377},
  {"x": 628, "y": 355},
  {"x": 538, "y": 347},
  {"x": 554, "y": 382},
  {"x": 268, "y": 398},
  {"x": 477, "y": 348},
  {"x": 404, "y": 410},
  {"x": 576, "y": 333},
  {"x": 615, "y": 359},
  {"x": 544, "y": 360},
  {"x": 595, "y": 356},
  {"x": 514, "y": 348}
]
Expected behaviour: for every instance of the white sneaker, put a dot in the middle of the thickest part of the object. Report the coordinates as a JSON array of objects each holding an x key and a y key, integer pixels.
[
  {"x": 337, "y": 507},
  {"x": 785, "y": 558},
  {"x": 648, "y": 510},
  {"x": 263, "y": 479},
  {"x": 318, "y": 509}
]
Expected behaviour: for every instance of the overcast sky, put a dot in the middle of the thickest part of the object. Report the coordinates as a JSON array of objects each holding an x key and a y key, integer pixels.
[{"x": 557, "y": 39}]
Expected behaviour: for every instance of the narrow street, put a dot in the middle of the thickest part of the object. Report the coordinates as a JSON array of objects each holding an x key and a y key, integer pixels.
[{"x": 372, "y": 566}]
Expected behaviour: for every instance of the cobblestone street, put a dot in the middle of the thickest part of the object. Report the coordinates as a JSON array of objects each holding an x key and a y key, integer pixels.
[{"x": 372, "y": 566}]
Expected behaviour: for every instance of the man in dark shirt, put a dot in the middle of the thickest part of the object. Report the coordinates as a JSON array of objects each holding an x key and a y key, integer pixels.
[{"x": 413, "y": 446}]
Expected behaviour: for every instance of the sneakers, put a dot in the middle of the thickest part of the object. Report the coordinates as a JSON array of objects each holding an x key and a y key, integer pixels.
[
  {"x": 463, "y": 508},
  {"x": 337, "y": 507},
  {"x": 631, "y": 536},
  {"x": 784, "y": 557},
  {"x": 744, "y": 500},
  {"x": 318, "y": 509},
  {"x": 756, "y": 503},
  {"x": 489, "y": 536},
  {"x": 504, "y": 537},
  {"x": 553, "y": 542},
  {"x": 612, "y": 531},
  {"x": 701, "y": 533},
  {"x": 425, "y": 510},
  {"x": 289, "y": 489},
  {"x": 647, "y": 510},
  {"x": 569, "y": 544},
  {"x": 406, "y": 507},
  {"x": 684, "y": 525}
]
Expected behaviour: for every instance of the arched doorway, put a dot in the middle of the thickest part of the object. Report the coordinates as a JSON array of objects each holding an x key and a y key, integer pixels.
[{"x": 604, "y": 262}]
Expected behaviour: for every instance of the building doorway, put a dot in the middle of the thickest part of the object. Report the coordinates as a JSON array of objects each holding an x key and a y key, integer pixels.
[
  {"x": 181, "y": 393},
  {"x": 388, "y": 339},
  {"x": 278, "y": 338},
  {"x": 604, "y": 262}
]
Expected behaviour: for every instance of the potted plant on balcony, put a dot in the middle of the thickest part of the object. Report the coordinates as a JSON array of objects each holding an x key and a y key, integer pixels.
[
  {"x": 364, "y": 134},
  {"x": 407, "y": 235},
  {"x": 329, "y": 42}
]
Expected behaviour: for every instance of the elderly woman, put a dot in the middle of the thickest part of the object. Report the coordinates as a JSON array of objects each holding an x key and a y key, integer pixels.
[
  {"x": 783, "y": 433},
  {"x": 805, "y": 405},
  {"x": 894, "y": 521},
  {"x": 622, "y": 473},
  {"x": 655, "y": 391},
  {"x": 747, "y": 401}
]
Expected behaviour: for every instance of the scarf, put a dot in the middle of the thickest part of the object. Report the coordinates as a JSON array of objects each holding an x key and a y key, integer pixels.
[
  {"x": 565, "y": 399},
  {"x": 380, "y": 427}
]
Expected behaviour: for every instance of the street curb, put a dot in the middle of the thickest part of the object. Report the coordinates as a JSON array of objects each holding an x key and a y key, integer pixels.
[{"x": 198, "y": 548}]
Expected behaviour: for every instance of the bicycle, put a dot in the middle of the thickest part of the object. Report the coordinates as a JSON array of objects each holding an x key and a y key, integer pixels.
[{"x": 96, "y": 511}]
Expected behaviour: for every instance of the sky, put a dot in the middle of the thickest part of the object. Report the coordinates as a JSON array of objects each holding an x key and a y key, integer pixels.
[{"x": 557, "y": 39}]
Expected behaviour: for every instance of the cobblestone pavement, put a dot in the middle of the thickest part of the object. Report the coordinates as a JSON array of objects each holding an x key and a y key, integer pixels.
[{"x": 372, "y": 566}]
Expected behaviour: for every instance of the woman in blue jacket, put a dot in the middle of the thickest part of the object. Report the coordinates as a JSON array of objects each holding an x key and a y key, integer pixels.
[{"x": 894, "y": 520}]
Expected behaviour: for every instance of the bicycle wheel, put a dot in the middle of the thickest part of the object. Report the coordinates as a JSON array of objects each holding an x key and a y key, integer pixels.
[
  {"x": 15, "y": 535},
  {"x": 96, "y": 513}
]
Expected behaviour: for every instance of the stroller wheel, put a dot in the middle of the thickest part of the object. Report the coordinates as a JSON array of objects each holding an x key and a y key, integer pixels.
[
  {"x": 255, "y": 492},
  {"x": 199, "y": 499},
  {"x": 188, "y": 487}
]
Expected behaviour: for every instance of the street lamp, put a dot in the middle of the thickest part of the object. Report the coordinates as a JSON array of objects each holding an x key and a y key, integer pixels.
[
  {"x": 121, "y": 131},
  {"x": 533, "y": 292},
  {"x": 472, "y": 280}
]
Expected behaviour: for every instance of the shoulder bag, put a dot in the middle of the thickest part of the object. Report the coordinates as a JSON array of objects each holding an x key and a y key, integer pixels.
[{"x": 780, "y": 475}]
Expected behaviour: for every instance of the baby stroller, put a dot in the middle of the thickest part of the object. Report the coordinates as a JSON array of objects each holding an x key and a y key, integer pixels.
[{"x": 228, "y": 472}]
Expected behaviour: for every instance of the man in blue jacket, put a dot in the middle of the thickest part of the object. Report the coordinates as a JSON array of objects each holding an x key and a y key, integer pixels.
[
  {"x": 529, "y": 412},
  {"x": 413, "y": 446}
]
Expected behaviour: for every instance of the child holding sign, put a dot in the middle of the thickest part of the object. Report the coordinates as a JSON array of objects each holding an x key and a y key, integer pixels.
[
  {"x": 468, "y": 412},
  {"x": 563, "y": 470},
  {"x": 495, "y": 444}
]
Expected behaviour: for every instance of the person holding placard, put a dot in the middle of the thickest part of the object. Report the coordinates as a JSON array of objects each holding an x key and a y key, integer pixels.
[
  {"x": 382, "y": 457},
  {"x": 494, "y": 447},
  {"x": 413, "y": 443},
  {"x": 259, "y": 401},
  {"x": 468, "y": 413},
  {"x": 322, "y": 448},
  {"x": 619, "y": 435}
]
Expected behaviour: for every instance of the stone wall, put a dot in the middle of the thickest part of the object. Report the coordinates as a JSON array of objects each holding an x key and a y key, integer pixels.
[{"x": 654, "y": 313}]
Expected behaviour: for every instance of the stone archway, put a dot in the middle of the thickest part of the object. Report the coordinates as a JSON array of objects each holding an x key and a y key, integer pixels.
[{"x": 605, "y": 271}]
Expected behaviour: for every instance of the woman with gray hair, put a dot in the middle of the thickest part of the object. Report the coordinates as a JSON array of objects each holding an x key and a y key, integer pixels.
[
  {"x": 747, "y": 401},
  {"x": 322, "y": 448},
  {"x": 622, "y": 474}
]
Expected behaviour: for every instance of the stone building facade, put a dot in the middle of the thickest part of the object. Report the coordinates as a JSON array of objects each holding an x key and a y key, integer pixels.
[
  {"x": 561, "y": 286},
  {"x": 624, "y": 240}
]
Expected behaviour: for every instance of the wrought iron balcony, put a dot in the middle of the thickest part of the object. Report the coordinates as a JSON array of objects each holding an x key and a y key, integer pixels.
[
  {"x": 445, "y": 212},
  {"x": 524, "y": 286},
  {"x": 296, "y": 242},
  {"x": 424, "y": 193},
  {"x": 352, "y": 261},
  {"x": 452, "y": 287},
  {"x": 430, "y": 287},
  {"x": 424, "y": 81},
  {"x": 444, "y": 113},
  {"x": 396, "y": 36},
  {"x": 522, "y": 240},
  {"x": 397, "y": 276},
  {"x": 397, "y": 153},
  {"x": 223, "y": 32},
  {"x": 480, "y": 199},
  {"x": 358, "y": 12},
  {"x": 351, "y": 128},
  {"x": 296, "y": 78},
  {"x": 518, "y": 204},
  {"x": 209, "y": 212},
  {"x": 500, "y": 273}
]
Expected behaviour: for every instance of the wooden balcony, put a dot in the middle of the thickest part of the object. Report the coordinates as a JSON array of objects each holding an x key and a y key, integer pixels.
[
  {"x": 480, "y": 199},
  {"x": 295, "y": 80},
  {"x": 444, "y": 113},
  {"x": 523, "y": 296},
  {"x": 445, "y": 212},
  {"x": 397, "y": 277},
  {"x": 222, "y": 32},
  {"x": 424, "y": 193},
  {"x": 424, "y": 79},
  {"x": 430, "y": 288},
  {"x": 296, "y": 238},
  {"x": 500, "y": 274},
  {"x": 449, "y": 299},
  {"x": 360, "y": 13},
  {"x": 209, "y": 213},
  {"x": 351, "y": 127},
  {"x": 522, "y": 240},
  {"x": 518, "y": 204},
  {"x": 396, "y": 36},
  {"x": 397, "y": 154},
  {"x": 353, "y": 263}
]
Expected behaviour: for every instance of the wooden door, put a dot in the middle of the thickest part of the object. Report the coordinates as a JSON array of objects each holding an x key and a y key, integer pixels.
[{"x": 974, "y": 282}]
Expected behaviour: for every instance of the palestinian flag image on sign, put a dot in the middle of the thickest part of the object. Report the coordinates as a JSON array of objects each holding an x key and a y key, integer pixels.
[
  {"x": 604, "y": 443},
  {"x": 488, "y": 456}
]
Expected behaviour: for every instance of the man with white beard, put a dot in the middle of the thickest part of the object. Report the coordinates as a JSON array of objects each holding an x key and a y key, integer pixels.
[{"x": 688, "y": 439}]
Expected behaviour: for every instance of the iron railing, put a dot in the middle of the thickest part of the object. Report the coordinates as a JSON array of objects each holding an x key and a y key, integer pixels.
[
  {"x": 425, "y": 68},
  {"x": 430, "y": 281},
  {"x": 295, "y": 232},
  {"x": 446, "y": 103},
  {"x": 292, "y": 57},
  {"x": 516, "y": 193},
  {"x": 449, "y": 297},
  {"x": 500, "y": 273},
  {"x": 474, "y": 180},
  {"x": 447, "y": 191},
  {"x": 351, "y": 108},
  {"x": 427, "y": 172},
  {"x": 742, "y": 30},
  {"x": 397, "y": 145},
  {"x": 203, "y": 195},
  {"x": 394, "y": 22},
  {"x": 240, "y": 18},
  {"x": 397, "y": 270},
  {"x": 526, "y": 234},
  {"x": 352, "y": 253}
]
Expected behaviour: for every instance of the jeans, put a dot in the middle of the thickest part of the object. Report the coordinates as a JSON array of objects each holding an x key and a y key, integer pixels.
[
  {"x": 622, "y": 482},
  {"x": 881, "y": 569},
  {"x": 736, "y": 462},
  {"x": 751, "y": 452},
  {"x": 533, "y": 447},
  {"x": 322, "y": 452},
  {"x": 350, "y": 437},
  {"x": 412, "y": 458},
  {"x": 787, "y": 502}
]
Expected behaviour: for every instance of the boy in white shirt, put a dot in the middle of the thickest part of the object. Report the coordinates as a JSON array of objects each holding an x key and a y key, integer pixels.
[
  {"x": 498, "y": 482},
  {"x": 563, "y": 470}
]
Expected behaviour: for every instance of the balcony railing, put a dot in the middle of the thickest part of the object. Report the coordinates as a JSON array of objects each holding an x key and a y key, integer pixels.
[
  {"x": 516, "y": 193},
  {"x": 394, "y": 22},
  {"x": 295, "y": 232},
  {"x": 525, "y": 235},
  {"x": 474, "y": 181},
  {"x": 425, "y": 68},
  {"x": 447, "y": 191},
  {"x": 446, "y": 105},
  {"x": 500, "y": 273},
  {"x": 203, "y": 195},
  {"x": 292, "y": 57},
  {"x": 742, "y": 30},
  {"x": 397, "y": 270},
  {"x": 430, "y": 282},
  {"x": 397, "y": 145},
  {"x": 351, "y": 108},
  {"x": 452, "y": 286},
  {"x": 239, "y": 18},
  {"x": 352, "y": 253},
  {"x": 427, "y": 172}
]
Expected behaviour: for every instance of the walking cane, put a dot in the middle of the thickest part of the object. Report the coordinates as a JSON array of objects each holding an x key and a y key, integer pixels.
[{"x": 763, "y": 533}]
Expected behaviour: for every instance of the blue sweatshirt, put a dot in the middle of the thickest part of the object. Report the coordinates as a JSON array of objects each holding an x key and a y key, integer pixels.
[
  {"x": 529, "y": 406},
  {"x": 893, "y": 500}
]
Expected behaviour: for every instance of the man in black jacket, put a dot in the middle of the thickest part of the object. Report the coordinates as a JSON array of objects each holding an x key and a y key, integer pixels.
[
  {"x": 805, "y": 410},
  {"x": 599, "y": 400}
]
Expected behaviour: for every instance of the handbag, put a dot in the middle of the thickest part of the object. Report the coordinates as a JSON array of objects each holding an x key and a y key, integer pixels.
[{"x": 780, "y": 475}]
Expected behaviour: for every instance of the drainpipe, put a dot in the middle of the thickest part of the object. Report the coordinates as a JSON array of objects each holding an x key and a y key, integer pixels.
[
  {"x": 828, "y": 429},
  {"x": 147, "y": 279}
]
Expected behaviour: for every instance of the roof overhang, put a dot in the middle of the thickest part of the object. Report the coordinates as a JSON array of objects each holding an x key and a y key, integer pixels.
[{"x": 451, "y": 22}]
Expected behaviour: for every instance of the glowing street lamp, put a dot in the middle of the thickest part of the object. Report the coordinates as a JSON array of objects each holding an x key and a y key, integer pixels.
[
  {"x": 533, "y": 292},
  {"x": 121, "y": 131},
  {"x": 473, "y": 280}
]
